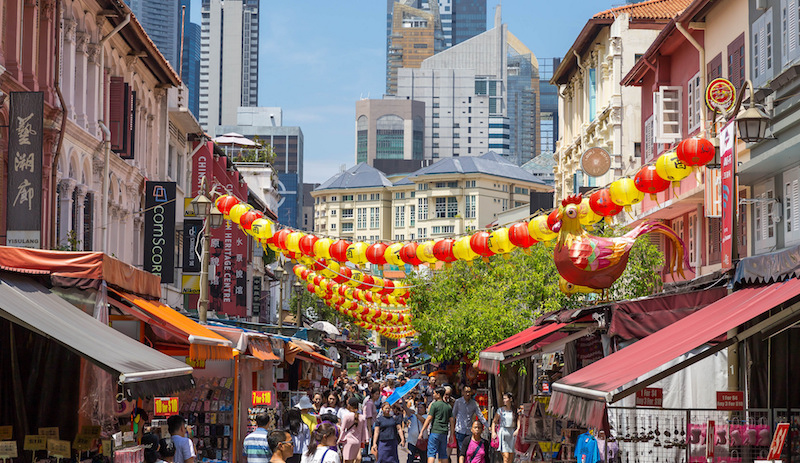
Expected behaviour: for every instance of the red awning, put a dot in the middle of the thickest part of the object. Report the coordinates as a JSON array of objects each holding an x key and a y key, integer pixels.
[
  {"x": 489, "y": 359},
  {"x": 581, "y": 396}
]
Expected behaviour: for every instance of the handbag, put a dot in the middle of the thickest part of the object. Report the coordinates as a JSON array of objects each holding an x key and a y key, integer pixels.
[{"x": 495, "y": 440}]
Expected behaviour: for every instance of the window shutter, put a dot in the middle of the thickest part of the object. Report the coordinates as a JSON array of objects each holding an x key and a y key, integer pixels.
[
  {"x": 669, "y": 114},
  {"x": 130, "y": 122},
  {"x": 648, "y": 148},
  {"x": 757, "y": 49},
  {"x": 791, "y": 32},
  {"x": 714, "y": 68},
  {"x": 714, "y": 243},
  {"x": 116, "y": 113},
  {"x": 736, "y": 61}
]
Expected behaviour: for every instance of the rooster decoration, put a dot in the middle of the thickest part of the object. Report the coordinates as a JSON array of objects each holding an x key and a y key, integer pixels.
[{"x": 589, "y": 263}]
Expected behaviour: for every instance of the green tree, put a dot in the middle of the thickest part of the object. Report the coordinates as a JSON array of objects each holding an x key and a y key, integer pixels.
[{"x": 466, "y": 308}]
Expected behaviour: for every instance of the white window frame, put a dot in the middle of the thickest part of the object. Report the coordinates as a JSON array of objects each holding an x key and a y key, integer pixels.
[
  {"x": 762, "y": 42},
  {"x": 694, "y": 102},
  {"x": 361, "y": 220},
  {"x": 668, "y": 105},
  {"x": 399, "y": 216},
  {"x": 422, "y": 209},
  {"x": 471, "y": 206},
  {"x": 374, "y": 217},
  {"x": 412, "y": 215},
  {"x": 791, "y": 206},
  {"x": 764, "y": 216}
]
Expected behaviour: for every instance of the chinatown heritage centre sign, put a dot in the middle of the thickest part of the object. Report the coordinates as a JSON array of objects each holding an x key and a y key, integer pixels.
[
  {"x": 24, "y": 186},
  {"x": 159, "y": 230}
]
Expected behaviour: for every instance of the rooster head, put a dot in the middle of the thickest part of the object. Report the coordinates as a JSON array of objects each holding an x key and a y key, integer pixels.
[{"x": 567, "y": 215}]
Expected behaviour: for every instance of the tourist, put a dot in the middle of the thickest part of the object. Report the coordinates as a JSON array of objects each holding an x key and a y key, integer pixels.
[
  {"x": 388, "y": 434},
  {"x": 353, "y": 431},
  {"x": 306, "y": 412},
  {"x": 465, "y": 410},
  {"x": 184, "y": 448},
  {"x": 322, "y": 446},
  {"x": 331, "y": 405},
  {"x": 281, "y": 446},
  {"x": 476, "y": 449},
  {"x": 505, "y": 427},
  {"x": 317, "y": 401},
  {"x": 256, "y": 447},
  {"x": 417, "y": 441},
  {"x": 440, "y": 420},
  {"x": 299, "y": 432}
]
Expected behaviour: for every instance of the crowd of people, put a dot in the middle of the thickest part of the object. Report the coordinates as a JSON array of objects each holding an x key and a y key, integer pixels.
[{"x": 360, "y": 419}]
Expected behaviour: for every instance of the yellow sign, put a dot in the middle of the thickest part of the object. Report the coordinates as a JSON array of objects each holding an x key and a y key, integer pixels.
[
  {"x": 107, "y": 447},
  {"x": 6, "y": 432},
  {"x": 59, "y": 448},
  {"x": 190, "y": 284},
  {"x": 165, "y": 406},
  {"x": 50, "y": 433},
  {"x": 93, "y": 431},
  {"x": 34, "y": 443},
  {"x": 188, "y": 210},
  {"x": 262, "y": 398},
  {"x": 198, "y": 364},
  {"x": 83, "y": 442},
  {"x": 8, "y": 449}
]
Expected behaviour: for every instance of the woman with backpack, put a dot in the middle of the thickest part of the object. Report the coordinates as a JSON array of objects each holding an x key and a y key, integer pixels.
[
  {"x": 354, "y": 431},
  {"x": 476, "y": 449},
  {"x": 388, "y": 433}
]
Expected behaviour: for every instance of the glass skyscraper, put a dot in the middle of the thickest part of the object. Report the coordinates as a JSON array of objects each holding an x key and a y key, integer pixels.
[
  {"x": 548, "y": 105},
  {"x": 469, "y": 19}
]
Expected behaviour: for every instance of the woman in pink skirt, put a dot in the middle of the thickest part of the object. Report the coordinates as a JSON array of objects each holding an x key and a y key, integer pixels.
[{"x": 354, "y": 431}]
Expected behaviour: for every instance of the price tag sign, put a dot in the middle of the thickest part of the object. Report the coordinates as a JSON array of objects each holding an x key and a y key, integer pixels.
[
  {"x": 83, "y": 442},
  {"x": 262, "y": 398},
  {"x": 165, "y": 406},
  {"x": 49, "y": 433},
  {"x": 34, "y": 443},
  {"x": 107, "y": 447},
  {"x": 59, "y": 448},
  {"x": 778, "y": 440},
  {"x": 6, "y": 432},
  {"x": 93, "y": 431},
  {"x": 8, "y": 449},
  {"x": 650, "y": 397}
]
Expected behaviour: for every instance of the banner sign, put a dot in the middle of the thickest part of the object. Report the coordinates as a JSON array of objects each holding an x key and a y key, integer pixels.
[
  {"x": 159, "y": 230},
  {"x": 262, "y": 398},
  {"x": 24, "y": 187},
  {"x": 256, "y": 295},
  {"x": 650, "y": 397},
  {"x": 711, "y": 438},
  {"x": 727, "y": 146},
  {"x": 164, "y": 406},
  {"x": 730, "y": 400},
  {"x": 192, "y": 229}
]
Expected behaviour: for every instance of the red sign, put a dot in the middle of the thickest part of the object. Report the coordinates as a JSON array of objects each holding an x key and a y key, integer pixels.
[
  {"x": 262, "y": 398},
  {"x": 727, "y": 147},
  {"x": 165, "y": 406},
  {"x": 711, "y": 436},
  {"x": 776, "y": 447},
  {"x": 650, "y": 397},
  {"x": 730, "y": 400}
]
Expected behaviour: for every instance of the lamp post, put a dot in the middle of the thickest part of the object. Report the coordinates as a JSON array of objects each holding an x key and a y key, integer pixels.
[
  {"x": 279, "y": 272},
  {"x": 212, "y": 218},
  {"x": 298, "y": 289}
]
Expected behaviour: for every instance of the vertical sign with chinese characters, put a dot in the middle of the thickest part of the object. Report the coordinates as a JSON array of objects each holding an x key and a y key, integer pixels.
[
  {"x": 256, "y": 296},
  {"x": 24, "y": 187},
  {"x": 159, "y": 230},
  {"x": 727, "y": 147}
]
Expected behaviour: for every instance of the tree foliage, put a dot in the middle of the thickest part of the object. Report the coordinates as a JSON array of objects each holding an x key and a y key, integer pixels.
[{"x": 466, "y": 308}]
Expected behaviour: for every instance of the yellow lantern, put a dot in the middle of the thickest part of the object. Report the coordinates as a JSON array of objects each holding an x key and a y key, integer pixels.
[
  {"x": 297, "y": 269},
  {"x": 624, "y": 193},
  {"x": 322, "y": 248},
  {"x": 293, "y": 241},
  {"x": 357, "y": 253},
  {"x": 378, "y": 284},
  {"x": 425, "y": 252},
  {"x": 392, "y": 254},
  {"x": 539, "y": 229},
  {"x": 356, "y": 279},
  {"x": 332, "y": 269},
  {"x": 586, "y": 215},
  {"x": 499, "y": 242},
  {"x": 261, "y": 229},
  {"x": 669, "y": 167},
  {"x": 463, "y": 251},
  {"x": 237, "y": 211}
]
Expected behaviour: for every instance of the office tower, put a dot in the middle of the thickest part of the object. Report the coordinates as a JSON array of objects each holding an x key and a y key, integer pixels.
[
  {"x": 523, "y": 101},
  {"x": 390, "y": 134},
  {"x": 461, "y": 20},
  {"x": 548, "y": 105},
  {"x": 229, "y": 60},
  {"x": 415, "y": 35},
  {"x": 160, "y": 19},
  {"x": 190, "y": 71}
]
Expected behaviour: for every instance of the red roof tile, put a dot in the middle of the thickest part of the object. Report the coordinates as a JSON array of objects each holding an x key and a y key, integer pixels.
[{"x": 650, "y": 9}]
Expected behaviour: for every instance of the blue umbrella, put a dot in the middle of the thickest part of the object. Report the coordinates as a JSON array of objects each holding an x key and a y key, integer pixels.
[{"x": 402, "y": 390}]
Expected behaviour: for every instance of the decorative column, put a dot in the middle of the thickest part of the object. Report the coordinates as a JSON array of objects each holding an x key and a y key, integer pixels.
[
  {"x": 80, "y": 208},
  {"x": 30, "y": 45},
  {"x": 124, "y": 239},
  {"x": 93, "y": 75},
  {"x": 138, "y": 241},
  {"x": 47, "y": 49},
  {"x": 68, "y": 65},
  {"x": 65, "y": 188},
  {"x": 81, "y": 41},
  {"x": 12, "y": 22}
]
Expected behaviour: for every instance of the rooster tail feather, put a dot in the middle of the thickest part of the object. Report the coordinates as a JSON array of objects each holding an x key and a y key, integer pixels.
[{"x": 678, "y": 248}]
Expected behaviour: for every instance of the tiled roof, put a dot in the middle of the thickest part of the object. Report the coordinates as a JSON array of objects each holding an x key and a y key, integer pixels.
[
  {"x": 650, "y": 9},
  {"x": 359, "y": 176},
  {"x": 490, "y": 164}
]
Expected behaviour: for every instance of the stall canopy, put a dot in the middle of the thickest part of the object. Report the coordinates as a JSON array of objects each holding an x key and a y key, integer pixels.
[
  {"x": 204, "y": 344},
  {"x": 304, "y": 350},
  {"x": 142, "y": 371},
  {"x": 583, "y": 395},
  {"x": 246, "y": 341}
]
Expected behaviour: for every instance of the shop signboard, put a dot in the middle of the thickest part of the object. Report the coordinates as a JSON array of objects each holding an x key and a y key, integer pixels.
[
  {"x": 82, "y": 443},
  {"x": 197, "y": 364},
  {"x": 650, "y": 397},
  {"x": 106, "y": 447},
  {"x": 282, "y": 386},
  {"x": 49, "y": 433},
  {"x": 256, "y": 295},
  {"x": 192, "y": 230},
  {"x": 778, "y": 440},
  {"x": 24, "y": 185},
  {"x": 59, "y": 448},
  {"x": 727, "y": 149},
  {"x": 8, "y": 449},
  {"x": 34, "y": 443},
  {"x": 165, "y": 406},
  {"x": 262, "y": 398},
  {"x": 190, "y": 284},
  {"x": 730, "y": 400},
  {"x": 352, "y": 368},
  {"x": 159, "y": 230},
  {"x": 6, "y": 432}
]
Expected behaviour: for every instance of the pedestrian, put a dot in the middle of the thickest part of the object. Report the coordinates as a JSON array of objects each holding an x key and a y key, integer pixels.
[
  {"x": 440, "y": 420},
  {"x": 317, "y": 401},
  {"x": 353, "y": 431},
  {"x": 371, "y": 406},
  {"x": 281, "y": 446},
  {"x": 166, "y": 449},
  {"x": 417, "y": 441},
  {"x": 475, "y": 449},
  {"x": 306, "y": 412},
  {"x": 465, "y": 410},
  {"x": 184, "y": 448},
  {"x": 322, "y": 446},
  {"x": 505, "y": 427},
  {"x": 388, "y": 434},
  {"x": 256, "y": 445},
  {"x": 150, "y": 443},
  {"x": 299, "y": 432},
  {"x": 331, "y": 405}
]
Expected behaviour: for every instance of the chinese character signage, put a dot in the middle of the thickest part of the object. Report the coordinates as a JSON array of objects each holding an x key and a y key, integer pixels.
[
  {"x": 159, "y": 230},
  {"x": 164, "y": 406},
  {"x": 727, "y": 147},
  {"x": 24, "y": 193},
  {"x": 650, "y": 397},
  {"x": 256, "y": 296},
  {"x": 262, "y": 398}
]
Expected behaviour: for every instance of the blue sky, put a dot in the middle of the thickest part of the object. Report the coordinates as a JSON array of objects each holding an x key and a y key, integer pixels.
[{"x": 317, "y": 58}]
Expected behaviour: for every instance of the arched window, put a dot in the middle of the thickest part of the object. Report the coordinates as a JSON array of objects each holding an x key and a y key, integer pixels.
[{"x": 389, "y": 137}]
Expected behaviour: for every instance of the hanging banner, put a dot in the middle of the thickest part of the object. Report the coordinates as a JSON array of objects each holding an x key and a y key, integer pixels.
[
  {"x": 727, "y": 146},
  {"x": 192, "y": 229},
  {"x": 24, "y": 187},
  {"x": 712, "y": 199},
  {"x": 256, "y": 296},
  {"x": 159, "y": 230}
]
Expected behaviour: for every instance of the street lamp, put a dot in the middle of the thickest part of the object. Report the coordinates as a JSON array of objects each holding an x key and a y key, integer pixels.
[
  {"x": 279, "y": 272},
  {"x": 212, "y": 218},
  {"x": 752, "y": 124},
  {"x": 298, "y": 289}
]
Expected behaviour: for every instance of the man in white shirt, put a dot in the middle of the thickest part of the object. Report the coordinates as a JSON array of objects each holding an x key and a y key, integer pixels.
[
  {"x": 184, "y": 448},
  {"x": 464, "y": 411}
]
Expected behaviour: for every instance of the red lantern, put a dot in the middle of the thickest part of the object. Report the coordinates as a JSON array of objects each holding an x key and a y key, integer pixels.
[
  {"x": 307, "y": 244},
  {"x": 601, "y": 203},
  {"x": 647, "y": 180},
  {"x": 375, "y": 253},
  {"x": 695, "y": 151},
  {"x": 443, "y": 250},
  {"x": 366, "y": 282},
  {"x": 552, "y": 220},
  {"x": 225, "y": 203},
  {"x": 409, "y": 254},
  {"x": 310, "y": 287},
  {"x": 368, "y": 296},
  {"x": 388, "y": 287},
  {"x": 338, "y": 250},
  {"x": 479, "y": 242},
  {"x": 317, "y": 280},
  {"x": 304, "y": 274},
  {"x": 246, "y": 220},
  {"x": 280, "y": 238},
  {"x": 519, "y": 236},
  {"x": 344, "y": 275}
]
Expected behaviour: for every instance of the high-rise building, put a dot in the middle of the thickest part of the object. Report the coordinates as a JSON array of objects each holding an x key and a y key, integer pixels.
[
  {"x": 523, "y": 101},
  {"x": 461, "y": 20},
  {"x": 390, "y": 134},
  {"x": 415, "y": 35},
  {"x": 548, "y": 105},
  {"x": 229, "y": 60},
  {"x": 190, "y": 61},
  {"x": 160, "y": 18}
]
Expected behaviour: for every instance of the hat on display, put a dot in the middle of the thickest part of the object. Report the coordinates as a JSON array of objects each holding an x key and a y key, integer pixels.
[{"x": 304, "y": 404}]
